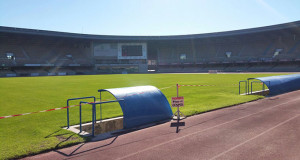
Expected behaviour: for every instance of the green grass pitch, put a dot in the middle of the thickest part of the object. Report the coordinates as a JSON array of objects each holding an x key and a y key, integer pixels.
[{"x": 35, "y": 133}]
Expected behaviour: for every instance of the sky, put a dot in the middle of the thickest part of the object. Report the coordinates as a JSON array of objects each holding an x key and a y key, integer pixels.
[{"x": 146, "y": 17}]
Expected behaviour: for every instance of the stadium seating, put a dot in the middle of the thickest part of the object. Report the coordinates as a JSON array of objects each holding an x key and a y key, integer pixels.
[{"x": 275, "y": 49}]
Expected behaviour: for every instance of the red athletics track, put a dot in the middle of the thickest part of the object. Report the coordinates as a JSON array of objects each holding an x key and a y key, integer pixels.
[{"x": 263, "y": 129}]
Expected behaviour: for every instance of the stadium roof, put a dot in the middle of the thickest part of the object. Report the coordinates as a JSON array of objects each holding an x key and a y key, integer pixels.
[{"x": 175, "y": 37}]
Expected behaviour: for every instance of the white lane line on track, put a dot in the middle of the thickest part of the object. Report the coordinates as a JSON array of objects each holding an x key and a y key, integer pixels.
[
  {"x": 219, "y": 155},
  {"x": 129, "y": 155}
]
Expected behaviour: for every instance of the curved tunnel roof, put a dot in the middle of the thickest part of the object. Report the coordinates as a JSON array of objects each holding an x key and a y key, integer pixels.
[
  {"x": 141, "y": 105},
  {"x": 281, "y": 84}
]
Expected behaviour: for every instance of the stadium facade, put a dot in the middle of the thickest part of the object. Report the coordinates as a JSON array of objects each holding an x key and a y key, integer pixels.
[{"x": 29, "y": 52}]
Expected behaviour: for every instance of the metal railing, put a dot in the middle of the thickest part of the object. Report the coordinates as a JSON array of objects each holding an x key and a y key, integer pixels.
[
  {"x": 68, "y": 110},
  {"x": 94, "y": 118},
  {"x": 240, "y": 86}
]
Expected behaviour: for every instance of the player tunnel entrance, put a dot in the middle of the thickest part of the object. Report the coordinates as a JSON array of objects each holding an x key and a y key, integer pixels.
[
  {"x": 254, "y": 86},
  {"x": 276, "y": 84},
  {"x": 141, "y": 105}
]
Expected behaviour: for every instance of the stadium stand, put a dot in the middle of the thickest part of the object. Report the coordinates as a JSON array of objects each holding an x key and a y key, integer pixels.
[{"x": 29, "y": 52}]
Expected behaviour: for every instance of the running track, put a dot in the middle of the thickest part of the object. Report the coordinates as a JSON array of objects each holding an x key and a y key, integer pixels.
[{"x": 263, "y": 129}]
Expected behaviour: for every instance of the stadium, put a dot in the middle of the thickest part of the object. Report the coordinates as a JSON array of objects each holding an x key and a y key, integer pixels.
[
  {"x": 62, "y": 93},
  {"x": 28, "y": 52}
]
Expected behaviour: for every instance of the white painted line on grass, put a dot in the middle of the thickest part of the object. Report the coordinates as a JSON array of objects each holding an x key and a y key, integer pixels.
[{"x": 166, "y": 87}]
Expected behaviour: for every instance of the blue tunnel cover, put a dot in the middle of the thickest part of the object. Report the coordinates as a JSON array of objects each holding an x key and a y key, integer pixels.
[
  {"x": 281, "y": 84},
  {"x": 141, "y": 105}
]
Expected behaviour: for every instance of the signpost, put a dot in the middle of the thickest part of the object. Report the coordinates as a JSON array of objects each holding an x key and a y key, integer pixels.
[{"x": 178, "y": 102}]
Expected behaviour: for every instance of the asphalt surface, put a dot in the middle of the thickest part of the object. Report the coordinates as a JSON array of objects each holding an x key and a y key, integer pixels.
[{"x": 263, "y": 129}]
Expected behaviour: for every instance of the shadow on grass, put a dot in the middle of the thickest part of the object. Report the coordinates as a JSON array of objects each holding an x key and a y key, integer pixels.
[
  {"x": 51, "y": 134},
  {"x": 54, "y": 134},
  {"x": 62, "y": 139}
]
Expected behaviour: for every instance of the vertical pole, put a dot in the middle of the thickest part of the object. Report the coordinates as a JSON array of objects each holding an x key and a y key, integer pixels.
[
  {"x": 239, "y": 88},
  {"x": 80, "y": 117},
  {"x": 68, "y": 114},
  {"x": 95, "y": 107},
  {"x": 178, "y": 115},
  {"x": 248, "y": 87},
  {"x": 95, "y": 114},
  {"x": 100, "y": 107},
  {"x": 251, "y": 87},
  {"x": 93, "y": 119},
  {"x": 177, "y": 89}
]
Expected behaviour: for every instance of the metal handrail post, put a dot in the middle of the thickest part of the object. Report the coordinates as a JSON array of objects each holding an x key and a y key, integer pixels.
[
  {"x": 251, "y": 87},
  {"x": 93, "y": 119},
  {"x": 240, "y": 88},
  {"x": 246, "y": 87},
  {"x": 80, "y": 117},
  {"x": 68, "y": 123},
  {"x": 100, "y": 107}
]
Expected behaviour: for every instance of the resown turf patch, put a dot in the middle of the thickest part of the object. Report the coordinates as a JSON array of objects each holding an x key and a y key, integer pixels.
[{"x": 35, "y": 133}]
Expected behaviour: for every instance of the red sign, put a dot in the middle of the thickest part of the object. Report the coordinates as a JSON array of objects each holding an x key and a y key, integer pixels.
[{"x": 177, "y": 101}]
